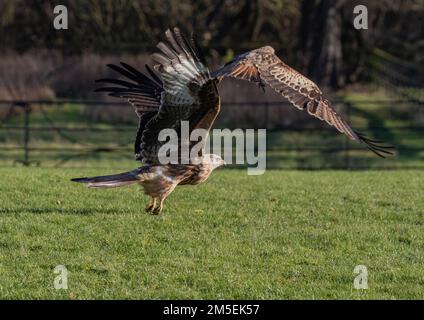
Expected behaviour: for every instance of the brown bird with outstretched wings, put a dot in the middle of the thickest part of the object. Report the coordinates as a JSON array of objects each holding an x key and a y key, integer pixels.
[{"x": 186, "y": 92}]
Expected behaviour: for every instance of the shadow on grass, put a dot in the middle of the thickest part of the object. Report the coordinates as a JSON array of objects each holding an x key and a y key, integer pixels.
[
  {"x": 378, "y": 129},
  {"x": 376, "y": 124},
  {"x": 70, "y": 211}
]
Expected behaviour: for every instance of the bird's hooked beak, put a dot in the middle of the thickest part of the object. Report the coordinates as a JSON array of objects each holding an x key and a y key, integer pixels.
[{"x": 217, "y": 162}]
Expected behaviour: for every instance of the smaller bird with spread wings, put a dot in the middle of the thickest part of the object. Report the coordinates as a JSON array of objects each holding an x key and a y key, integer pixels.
[{"x": 186, "y": 91}]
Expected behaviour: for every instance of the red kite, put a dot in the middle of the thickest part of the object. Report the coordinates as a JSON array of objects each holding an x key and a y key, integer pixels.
[{"x": 185, "y": 90}]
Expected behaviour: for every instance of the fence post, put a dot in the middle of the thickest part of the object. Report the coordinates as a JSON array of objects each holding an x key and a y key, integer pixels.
[
  {"x": 27, "y": 110},
  {"x": 347, "y": 143}
]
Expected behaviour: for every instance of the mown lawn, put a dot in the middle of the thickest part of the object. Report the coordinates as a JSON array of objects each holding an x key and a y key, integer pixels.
[{"x": 282, "y": 235}]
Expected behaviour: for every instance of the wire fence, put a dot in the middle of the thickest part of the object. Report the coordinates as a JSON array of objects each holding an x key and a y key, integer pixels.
[{"x": 68, "y": 133}]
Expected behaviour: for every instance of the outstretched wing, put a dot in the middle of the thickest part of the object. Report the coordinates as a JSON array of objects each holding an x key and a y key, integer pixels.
[
  {"x": 142, "y": 92},
  {"x": 190, "y": 94},
  {"x": 263, "y": 66},
  {"x": 186, "y": 92}
]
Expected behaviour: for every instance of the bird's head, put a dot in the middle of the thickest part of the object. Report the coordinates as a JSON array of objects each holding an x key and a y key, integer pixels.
[{"x": 216, "y": 161}]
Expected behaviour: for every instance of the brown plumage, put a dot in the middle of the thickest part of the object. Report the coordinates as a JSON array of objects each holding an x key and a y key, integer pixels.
[
  {"x": 185, "y": 90},
  {"x": 158, "y": 181},
  {"x": 263, "y": 66}
]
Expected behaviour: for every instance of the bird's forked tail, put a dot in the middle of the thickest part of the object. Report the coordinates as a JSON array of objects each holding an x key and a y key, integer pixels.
[{"x": 112, "y": 181}]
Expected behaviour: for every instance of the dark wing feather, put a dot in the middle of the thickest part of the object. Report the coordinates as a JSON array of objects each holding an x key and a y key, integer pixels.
[
  {"x": 196, "y": 48},
  {"x": 262, "y": 65},
  {"x": 189, "y": 93},
  {"x": 154, "y": 76},
  {"x": 144, "y": 119},
  {"x": 144, "y": 94}
]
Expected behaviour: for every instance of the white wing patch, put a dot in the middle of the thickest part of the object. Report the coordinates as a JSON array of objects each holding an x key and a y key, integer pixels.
[{"x": 178, "y": 69}]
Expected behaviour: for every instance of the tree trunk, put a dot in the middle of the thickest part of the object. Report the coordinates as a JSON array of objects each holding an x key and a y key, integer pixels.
[{"x": 321, "y": 29}]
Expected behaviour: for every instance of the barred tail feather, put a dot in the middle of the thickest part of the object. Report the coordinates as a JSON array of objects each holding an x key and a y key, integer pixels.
[{"x": 112, "y": 181}]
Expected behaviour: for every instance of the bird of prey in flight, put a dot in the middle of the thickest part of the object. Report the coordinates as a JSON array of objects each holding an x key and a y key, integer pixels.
[{"x": 186, "y": 90}]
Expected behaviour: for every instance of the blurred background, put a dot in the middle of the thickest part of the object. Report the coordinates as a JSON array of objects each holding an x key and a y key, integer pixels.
[{"x": 50, "y": 116}]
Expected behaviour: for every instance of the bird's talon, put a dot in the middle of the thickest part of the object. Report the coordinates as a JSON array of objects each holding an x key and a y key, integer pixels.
[{"x": 156, "y": 210}]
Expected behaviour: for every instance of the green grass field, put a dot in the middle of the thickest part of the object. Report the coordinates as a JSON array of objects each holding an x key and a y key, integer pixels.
[{"x": 282, "y": 235}]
